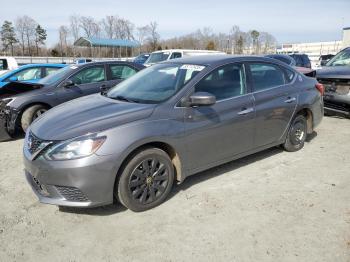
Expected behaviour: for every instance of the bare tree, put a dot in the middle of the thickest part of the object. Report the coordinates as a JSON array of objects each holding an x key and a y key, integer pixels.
[
  {"x": 63, "y": 34},
  {"x": 153, "y": 36},
  {"x": 89, "y": 26},
  {"x": 74, "y": 24},
  {"x": 20, "y": 30},
  {"x": 108, "y": 24}
]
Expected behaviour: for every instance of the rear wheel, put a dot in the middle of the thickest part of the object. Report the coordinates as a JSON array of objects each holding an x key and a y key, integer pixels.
[
  {"x": 296, "y": 135},
  {"x": 30, "y": 114},
  {"x": 146, "y": 180}
]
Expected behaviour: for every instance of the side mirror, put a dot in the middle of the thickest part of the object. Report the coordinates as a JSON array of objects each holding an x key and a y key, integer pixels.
[
  {"x": 202, "y": 99},
  {"x": 13, "y": 79},
  {"x": 68, "y": 83},
  {"x": 103, "y": 90}
]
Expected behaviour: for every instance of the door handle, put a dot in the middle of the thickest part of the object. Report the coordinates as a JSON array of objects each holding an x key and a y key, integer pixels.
[
  {"x": 245, "y": 111},
  {"x": 290, "y": 100}
]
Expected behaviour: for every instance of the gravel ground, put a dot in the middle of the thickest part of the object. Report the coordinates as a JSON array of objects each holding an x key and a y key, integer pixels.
[{"x": 271, "y": 206}]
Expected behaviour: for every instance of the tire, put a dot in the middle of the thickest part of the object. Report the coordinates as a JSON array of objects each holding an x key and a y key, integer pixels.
[
  {"x": 297, "y": 134},
  {"x": 146, "y": 180},
  {"x": 30, "y": 114}
]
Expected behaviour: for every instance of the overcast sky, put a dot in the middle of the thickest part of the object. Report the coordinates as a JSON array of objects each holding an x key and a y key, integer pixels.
[{"x": 287, "y": 20}]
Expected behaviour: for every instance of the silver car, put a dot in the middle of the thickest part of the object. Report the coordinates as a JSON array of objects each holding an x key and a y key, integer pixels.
[{"x": 164, "y": 124}]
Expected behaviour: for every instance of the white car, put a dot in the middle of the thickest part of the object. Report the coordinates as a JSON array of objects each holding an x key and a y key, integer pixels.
[
  {"x": 7, "y": 64},
  {"x": 160, "y": 56}
]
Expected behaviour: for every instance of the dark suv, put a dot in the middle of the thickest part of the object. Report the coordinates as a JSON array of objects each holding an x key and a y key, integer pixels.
[
  {"x": 302, "y": 60},
  {"x": 22, "y": 103}
]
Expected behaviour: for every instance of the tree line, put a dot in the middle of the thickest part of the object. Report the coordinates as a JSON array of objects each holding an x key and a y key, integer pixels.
[{"x": 26, "y": 37}]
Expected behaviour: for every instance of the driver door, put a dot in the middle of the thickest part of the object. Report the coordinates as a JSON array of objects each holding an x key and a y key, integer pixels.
[{"x": 219, "y": 132}]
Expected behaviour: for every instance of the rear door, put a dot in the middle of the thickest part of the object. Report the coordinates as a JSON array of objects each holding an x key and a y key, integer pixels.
[
  {"x": 275, "y": 100},
  {"x": 86, "y": 81},
  {"x": 218, "y": 132}
]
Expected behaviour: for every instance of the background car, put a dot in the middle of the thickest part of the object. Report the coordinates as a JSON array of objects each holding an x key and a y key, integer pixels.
[
  {"x": 323, "y": 60},
  {"x": 29, "y": 73},
  {"x": 283, "y": 58},
  {"x": 22, "y": 103},
  {"x": 169, "y": 121},
  {"x": 291, "y": 62},
  {"x": 302, "y": 60},
  {"x": 335, "y": 76},
  {"x": 7, "y": 64},
  {"x": 141, "y": 59}
]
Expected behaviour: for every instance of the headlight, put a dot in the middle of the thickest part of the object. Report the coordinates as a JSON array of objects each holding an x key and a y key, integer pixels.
[{"x": 75, "y": 148}]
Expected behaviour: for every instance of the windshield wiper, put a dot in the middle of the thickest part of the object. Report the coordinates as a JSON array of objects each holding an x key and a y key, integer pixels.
[{"x": 123, "y": 98}]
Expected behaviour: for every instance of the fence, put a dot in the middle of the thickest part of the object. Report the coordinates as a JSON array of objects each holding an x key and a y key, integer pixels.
[{"x": 22, "y": 60}]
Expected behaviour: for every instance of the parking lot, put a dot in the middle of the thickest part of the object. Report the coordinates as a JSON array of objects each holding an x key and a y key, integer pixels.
[{"x": 269, "y": 206}]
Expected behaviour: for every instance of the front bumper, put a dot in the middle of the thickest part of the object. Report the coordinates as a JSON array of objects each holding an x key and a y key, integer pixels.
[
  {"x": 86, "y": 182},
  {"x": 8, "y": 119}
]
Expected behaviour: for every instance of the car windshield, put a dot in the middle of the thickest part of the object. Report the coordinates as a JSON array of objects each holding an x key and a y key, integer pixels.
[
  {"x": 340, "y": 59},
  {"x": 155, "y": 84},
  {"x": 57, "y": 76},
  {"x": 158, "y": 57}
]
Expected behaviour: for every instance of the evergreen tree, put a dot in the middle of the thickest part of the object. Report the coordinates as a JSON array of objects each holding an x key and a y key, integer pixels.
[
  {"x": 40, "y": 37},
  {"x": 8, "y": 36}
]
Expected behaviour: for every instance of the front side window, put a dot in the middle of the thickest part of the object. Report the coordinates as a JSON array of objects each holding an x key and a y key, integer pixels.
[
  {"x": 89, "y": 75},
  {"x": 266, "y": 76},
  {"x": 226, "y": 82},
  {"x": 121, "y": 71},
  {"x": 155, "y": 84},
  {"x": 28, "y": 74}
]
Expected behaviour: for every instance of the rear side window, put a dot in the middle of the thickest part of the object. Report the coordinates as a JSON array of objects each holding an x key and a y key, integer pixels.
[
  {"x": 175, "y": 55},
  {"x": 50, "y": 70},
  {"x": 265, "y": 76},
  {"x": 3, "y": 64},
  {"x": 121, "y": 71},
  {"x": 225, "y": 82},
  {"x": 89, "y": 75}
]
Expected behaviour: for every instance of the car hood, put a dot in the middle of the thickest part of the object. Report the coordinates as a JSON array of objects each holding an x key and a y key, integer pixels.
[
  {"x": 88, "y": 114},
  {"x": 15, "y": 88},
  {"x": 340, "y": 72}
]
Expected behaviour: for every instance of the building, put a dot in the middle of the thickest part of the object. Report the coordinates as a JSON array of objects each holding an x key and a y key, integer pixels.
[{"x": 316, "y": 49}]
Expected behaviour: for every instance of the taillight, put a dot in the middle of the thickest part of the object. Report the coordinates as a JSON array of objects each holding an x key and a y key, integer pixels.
[{"x": 320, "y": 88}]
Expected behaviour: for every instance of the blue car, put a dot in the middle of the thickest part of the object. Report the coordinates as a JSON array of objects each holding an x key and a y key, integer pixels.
[{"x": 29, "y": 73}]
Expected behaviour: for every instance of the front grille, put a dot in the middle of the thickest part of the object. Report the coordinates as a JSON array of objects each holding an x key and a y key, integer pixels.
[{"x": 72, "y": 194}]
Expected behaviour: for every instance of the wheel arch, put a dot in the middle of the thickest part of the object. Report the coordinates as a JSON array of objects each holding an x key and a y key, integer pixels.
[
  {"x": 309, "y": 118},
  {"x": 166, "y": 147}
]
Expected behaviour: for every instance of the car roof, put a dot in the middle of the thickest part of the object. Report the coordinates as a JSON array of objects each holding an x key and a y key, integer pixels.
[
  {"x": 217, "y": 59},
  {"x": 41, "y": 65}
]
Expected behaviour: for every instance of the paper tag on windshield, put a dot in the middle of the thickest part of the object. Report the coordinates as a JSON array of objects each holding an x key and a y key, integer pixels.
[
  {"x": 192, "y": 67},
  {"x": 73, "y": 67}
]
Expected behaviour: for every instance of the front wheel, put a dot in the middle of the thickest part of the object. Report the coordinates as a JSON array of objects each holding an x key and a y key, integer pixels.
[
  {"x": 30, "y": 114},
  {"x": 146, "y": 180},
  {"x": 296, "y": 135}
]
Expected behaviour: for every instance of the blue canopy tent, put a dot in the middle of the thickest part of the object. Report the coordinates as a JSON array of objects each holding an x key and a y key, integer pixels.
[{"x": 93, "y": 42}]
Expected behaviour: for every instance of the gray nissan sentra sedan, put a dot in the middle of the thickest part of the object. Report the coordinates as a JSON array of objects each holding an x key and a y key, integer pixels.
[{"x": 165, "y": 123}]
